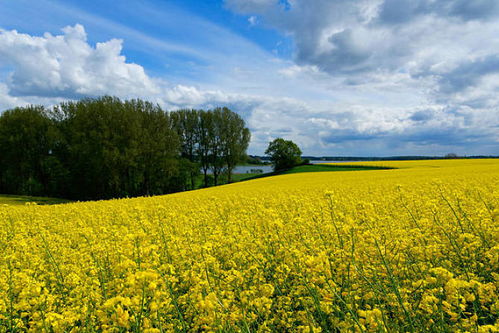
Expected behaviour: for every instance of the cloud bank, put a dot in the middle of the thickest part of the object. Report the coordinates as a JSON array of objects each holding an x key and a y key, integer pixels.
[
  {"x": 375, "y": 77},
  {"x": 67, "y": 66},
  {"x": 446, "y": 52}
]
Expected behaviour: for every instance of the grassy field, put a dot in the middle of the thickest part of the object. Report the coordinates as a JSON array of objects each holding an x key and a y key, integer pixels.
[
  {"x": 237, "y": 177},
  {"x": 331, "y": 167},
  {"x": 412, "y": 249},
  {"x": 298, "y": 169},
  {"x": 223, "y": 179},
  {"x": 7, "y": 199},
  {"x": 316, "y": 168}
]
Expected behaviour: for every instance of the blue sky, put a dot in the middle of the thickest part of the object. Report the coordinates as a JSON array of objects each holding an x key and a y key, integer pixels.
[{"x": 339, "y": 77}]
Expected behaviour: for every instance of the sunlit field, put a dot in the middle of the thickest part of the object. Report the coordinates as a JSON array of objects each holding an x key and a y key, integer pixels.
[{"x": 403, "y": 250}]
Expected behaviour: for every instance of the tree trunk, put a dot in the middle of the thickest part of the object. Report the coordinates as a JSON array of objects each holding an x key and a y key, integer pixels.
[
  {"x": 205, "y": 177},
  {"x": 193, "y": 175},
  {"x": 215, "y": 176},
  {"x": 229, "y": 175}
]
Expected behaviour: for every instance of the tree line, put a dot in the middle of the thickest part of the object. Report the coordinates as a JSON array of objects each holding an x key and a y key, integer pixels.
[{"x": 109, "y": 148}]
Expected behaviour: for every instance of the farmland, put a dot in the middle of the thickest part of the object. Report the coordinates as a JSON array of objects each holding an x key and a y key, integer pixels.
[{"x": 408, "y": 249}]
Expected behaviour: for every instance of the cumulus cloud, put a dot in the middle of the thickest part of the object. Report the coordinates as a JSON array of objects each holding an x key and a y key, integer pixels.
[
  {"x": 442, "y": 55},
  {"x": 455, "y": 113},
  {"x": 67, "y": 66},
  {"x": 48, "y": 69},
  {"x": 397, "y": 11},
  {"x": 7, "y": 101},
  {"x": 419, "y": 129},
  {"x": 469, "y": 73},
  {"x": 420, "y": 37}
]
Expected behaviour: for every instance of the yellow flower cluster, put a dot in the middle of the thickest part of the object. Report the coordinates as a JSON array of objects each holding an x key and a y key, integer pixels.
[{"x": 404, "y": 250}]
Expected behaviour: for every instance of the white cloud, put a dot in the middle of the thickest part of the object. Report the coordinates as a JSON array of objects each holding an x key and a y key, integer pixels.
[
  {"x": 401, "y": 69},
  {"x": 7, "y": 101},
  {"x": 381, "y": 112},
  {"x": 424, "y": 38},
  {"x": 67, "y": 66}
]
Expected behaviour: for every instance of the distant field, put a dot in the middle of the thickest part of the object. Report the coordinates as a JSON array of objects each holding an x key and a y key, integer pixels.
[
  {"x": 316, "y": 168},
  {"x": 242, "y": 176},
  {"x": 237, "y": 177},
  {"x": 331, "y": 167},
  {"x": 7, "y": 199}
]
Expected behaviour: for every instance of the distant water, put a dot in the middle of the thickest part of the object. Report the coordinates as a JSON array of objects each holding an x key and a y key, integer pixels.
[
  {"x": 249, "y": 168},
  {"x": 268, "y": 168}
]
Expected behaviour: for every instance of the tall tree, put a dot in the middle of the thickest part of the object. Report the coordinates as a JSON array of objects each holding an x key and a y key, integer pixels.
[
  {"x": 216, "y": 139},
  {"x": 235, "y": 139},
  {"x": 216, "y": 133},
  {"x": 105, "y": 148},
  {"x": 28, "y": 138},
  {"x": 118, "y": 149},
  {"x": 186, "y": 124},
  {"x": 205, "y": 145},
  {"x": 160, "y": 152},
  {"x": 284, "y": 154}
]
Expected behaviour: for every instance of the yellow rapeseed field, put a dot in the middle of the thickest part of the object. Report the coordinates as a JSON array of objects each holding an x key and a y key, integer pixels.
[{"x": 407, "y": 250}]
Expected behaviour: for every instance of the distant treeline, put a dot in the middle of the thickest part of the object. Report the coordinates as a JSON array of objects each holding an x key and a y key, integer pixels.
[{"x": 108, "y": 148}]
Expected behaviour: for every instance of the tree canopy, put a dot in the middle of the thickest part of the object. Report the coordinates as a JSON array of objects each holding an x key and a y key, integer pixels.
[
  {"x": 213, "y": 140},
  {"x": 107, "y": 148},
  {"x": 284, "y": 154}
]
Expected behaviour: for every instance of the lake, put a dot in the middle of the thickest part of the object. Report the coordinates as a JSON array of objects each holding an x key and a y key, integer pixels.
[
  {"x": 268, "y": 168},
  {"x": 248, "y": 168}
]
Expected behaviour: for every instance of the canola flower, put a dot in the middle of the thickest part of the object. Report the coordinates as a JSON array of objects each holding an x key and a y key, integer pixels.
[{"x": 405, "y": 250}]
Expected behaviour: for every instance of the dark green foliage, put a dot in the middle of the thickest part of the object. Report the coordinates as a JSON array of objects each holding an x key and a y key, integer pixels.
[
  {"x": 186, "y": 124},
  {"x": 213, "y": 141},
  {"x": 234, "y": 139},
  {"x": 28, "y": 139},
  {"x": 107, "y": 148},
  {"x": 118, "y": 149},
  {"x": 284, "y": 154},
  {"x": 255, "y": 160}
]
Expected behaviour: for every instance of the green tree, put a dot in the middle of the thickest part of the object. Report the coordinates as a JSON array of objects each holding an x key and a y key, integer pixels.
[
  {"x": 205, "y": 144},
  {"x": 216, "y": 133},
  {"x": 284, "y": 154},
  {"x": 28, "y": 141},
  {"x": 186, "y": 124},
  {"x": 93, "y": 130},
  {"x": 106, "y": 148},
  {"x": 223, "y": 140},
  {"x": 160, "y": 153},
  {"x": 118, "y": 149},
  {"x": 213, "y": 141},
  {"x": 235, "y": 139}
]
